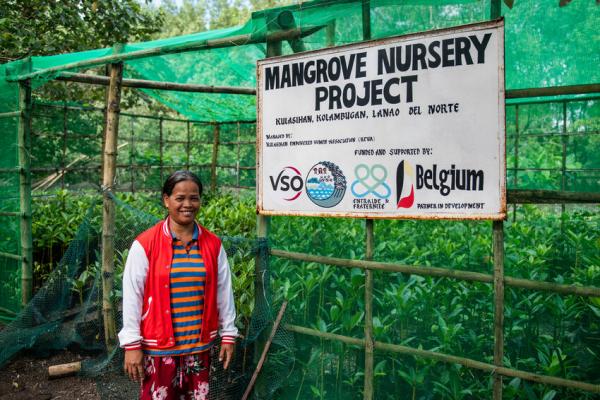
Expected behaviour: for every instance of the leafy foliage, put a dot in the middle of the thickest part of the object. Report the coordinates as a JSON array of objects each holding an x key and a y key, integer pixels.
[
  {"x": 38, "y": 27},
  {"x": 544, "y": 333}
]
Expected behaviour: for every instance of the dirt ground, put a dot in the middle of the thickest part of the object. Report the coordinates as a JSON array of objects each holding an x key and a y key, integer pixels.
[{"x": 27, "y": 378}]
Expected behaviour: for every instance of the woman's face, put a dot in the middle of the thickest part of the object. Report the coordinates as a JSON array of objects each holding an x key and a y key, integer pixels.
[{"x": 183, "y": 203}]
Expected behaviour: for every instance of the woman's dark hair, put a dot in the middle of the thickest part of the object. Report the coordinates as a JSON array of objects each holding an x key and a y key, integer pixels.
[{"x": 180, "y": 176}]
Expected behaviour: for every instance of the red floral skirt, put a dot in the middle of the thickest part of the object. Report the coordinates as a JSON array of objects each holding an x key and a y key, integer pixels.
[{"x": 176, "y": 377}]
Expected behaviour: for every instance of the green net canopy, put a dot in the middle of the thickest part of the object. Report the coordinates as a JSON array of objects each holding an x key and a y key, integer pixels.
[
  {"x": 551, "y": 143},
  {"x": 546, "y": 46}
]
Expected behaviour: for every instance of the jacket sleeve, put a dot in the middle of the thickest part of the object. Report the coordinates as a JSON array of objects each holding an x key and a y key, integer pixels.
[
  {"x": 134, "y": 279},
  {"x": 225, "y": 302}
]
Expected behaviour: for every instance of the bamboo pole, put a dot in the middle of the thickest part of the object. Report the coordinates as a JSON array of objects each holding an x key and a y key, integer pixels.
[
  {"x": 366, "y": 19},
  {"x": 551, "y": 197},
  {"x": 64, "y": 148},
  {"x": 563, "y": 163},
  {"x": 187, "y": 146},
  {"x": 236, "y": 167},
  {"x": 588, "y": 291},
  {"x": 105, "y": 122},
  {"x": 160, "y": 150},
  {"x": 552, "y": 91},
  {"x": 125, "y": 114},
  {"x": 12, "y": 256},
  {"x": 369, "y": 340},
  {"x": 108, "y": 215},
  {"x": 9, "y": 313},
  {"x": 155, "y": 85},
  {"x": 237, "y": 163},
  {"x": 24, "y": 152},
  {"x": 495, "y": 9},
  {"x": 147, "y": 84},
  {"x": 131, "y": 156},
  {"x": 238, "y": 142},
  {"x": 10, "y": 214},
  {"x": 263, "y": 223},
  {"x": 69, "y": 168},
  {"x": 498, "y": 244},
  {"x": 550, "y": 169},
  {"x": 467, "y": 362},
  {"x": 215, "y": 157},
  {"x": 265, "y": 351},
  {"x": 11, "y": 114},
  {"x": 261, "y": 277},
  {"x": 231, "y": 41},
  {"x": 285, "y": 21},
  {"x": 516, "y": 172},
  {"x": 330, "y": 34}
]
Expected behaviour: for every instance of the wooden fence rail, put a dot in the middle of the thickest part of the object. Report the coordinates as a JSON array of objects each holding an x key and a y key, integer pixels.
[
  {"x": 588, "y": 291},
  {"x": 467, "y": 362}
]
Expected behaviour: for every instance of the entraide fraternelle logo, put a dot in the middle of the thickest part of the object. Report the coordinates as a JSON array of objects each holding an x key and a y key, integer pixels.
[{"x": 405, "y": 188}]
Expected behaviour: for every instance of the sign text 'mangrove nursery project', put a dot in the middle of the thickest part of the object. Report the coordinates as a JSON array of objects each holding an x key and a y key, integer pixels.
[{"x": 389, "y": 89}]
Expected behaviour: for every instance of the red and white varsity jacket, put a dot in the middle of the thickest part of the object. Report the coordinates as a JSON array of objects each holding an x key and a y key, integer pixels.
[{"x": 146, "y": 291}]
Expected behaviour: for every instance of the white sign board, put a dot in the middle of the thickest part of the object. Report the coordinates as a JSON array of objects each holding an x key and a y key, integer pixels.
[{"x": 407, "y": 127}]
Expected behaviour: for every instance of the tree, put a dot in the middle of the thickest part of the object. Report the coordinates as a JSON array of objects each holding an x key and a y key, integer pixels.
[
  {"x": 190, "y": 17},
  {"x": 43, "y": 27}
]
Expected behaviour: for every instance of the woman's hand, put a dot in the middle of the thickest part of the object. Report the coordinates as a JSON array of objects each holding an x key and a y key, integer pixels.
[
  {"x": 226, "y": 354},
  {"x": 133, "y": 365}
]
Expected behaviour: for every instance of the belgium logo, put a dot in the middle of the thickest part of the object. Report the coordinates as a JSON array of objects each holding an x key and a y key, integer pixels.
[{"x": 405, "y": 188}]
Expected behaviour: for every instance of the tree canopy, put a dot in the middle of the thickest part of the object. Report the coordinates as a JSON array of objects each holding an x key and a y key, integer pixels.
[{"x": 43, "y": 27}]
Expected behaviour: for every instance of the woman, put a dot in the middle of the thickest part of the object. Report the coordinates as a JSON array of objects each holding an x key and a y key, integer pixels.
[{"x": 176, "y": 295}]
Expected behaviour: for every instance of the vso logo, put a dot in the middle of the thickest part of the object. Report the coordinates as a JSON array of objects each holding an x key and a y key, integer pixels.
[{"x": 289, "y": 181}]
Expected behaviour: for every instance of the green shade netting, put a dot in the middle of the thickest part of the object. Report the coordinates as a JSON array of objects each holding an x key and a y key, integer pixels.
[{"x": 546, "y": 46}]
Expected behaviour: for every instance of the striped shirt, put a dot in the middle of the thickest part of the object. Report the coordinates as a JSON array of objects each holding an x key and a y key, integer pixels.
[{"x": 188, "y": 275}]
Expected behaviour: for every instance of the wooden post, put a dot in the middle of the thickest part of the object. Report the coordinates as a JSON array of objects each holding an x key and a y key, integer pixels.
[
  {"x": 131, "y": 157},
  {"x": 261, "y": 284},
  {"x": 237, "y": 164},
  {"x": 330, "y": 34},
  {"x": 369, "y": 340},
  {"x": 108, "y": 216},
  {"x": 495, "y": 9},
  {"x": 263, "y": 225},
  {"x": 215, "y": 157},
  {"x": 516, "y": 177},
  {"x": 263, "y": 222},
  {"x": 498, "y": 248},
  {"x": 64, "y": 149},
  {"x": 187, "y": 147},
  {"x": 498, "y": 239},
  {"x": 563, "y": 164},
  {"x": 160, "y": 150},
  {"x": 24, "y": 150}
]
